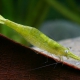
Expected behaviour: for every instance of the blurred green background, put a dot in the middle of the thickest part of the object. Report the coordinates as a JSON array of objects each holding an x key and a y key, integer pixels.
[{"x": 59, "y": 19}]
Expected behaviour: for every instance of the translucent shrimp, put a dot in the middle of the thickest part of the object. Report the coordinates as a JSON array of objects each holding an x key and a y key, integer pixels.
[{"x": 38, "y": 39}]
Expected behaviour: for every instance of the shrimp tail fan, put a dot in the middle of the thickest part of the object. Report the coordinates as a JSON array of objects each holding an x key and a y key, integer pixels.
[{"x": 2, "y": 19}]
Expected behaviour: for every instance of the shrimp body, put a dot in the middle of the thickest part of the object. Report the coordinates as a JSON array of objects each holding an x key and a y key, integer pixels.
[{"x": 38, "y": 39}]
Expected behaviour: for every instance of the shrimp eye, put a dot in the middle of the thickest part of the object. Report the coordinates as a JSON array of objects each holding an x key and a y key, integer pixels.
[{"x": 66, "y": 51}]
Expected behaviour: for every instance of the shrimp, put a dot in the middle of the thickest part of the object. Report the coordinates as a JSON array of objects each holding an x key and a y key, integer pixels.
[{"x": 40, "y": 40}]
